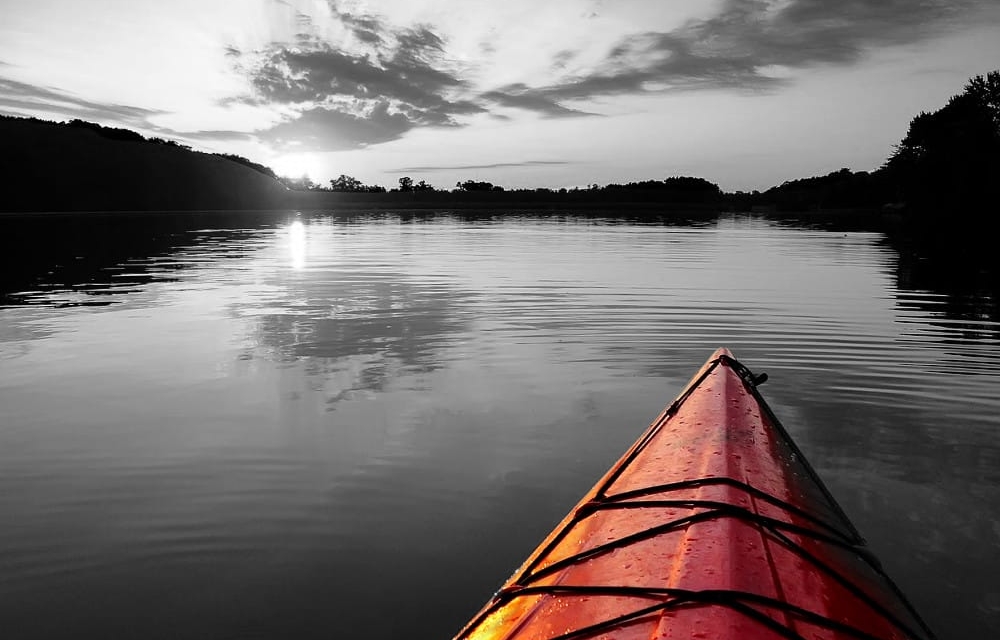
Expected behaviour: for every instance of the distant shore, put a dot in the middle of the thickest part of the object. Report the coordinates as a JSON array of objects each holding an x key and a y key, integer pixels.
[{"x": 495, "y": 208}]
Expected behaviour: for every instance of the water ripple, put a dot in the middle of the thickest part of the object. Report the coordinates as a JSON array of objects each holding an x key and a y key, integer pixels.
[{"x": 276, "y": 414}]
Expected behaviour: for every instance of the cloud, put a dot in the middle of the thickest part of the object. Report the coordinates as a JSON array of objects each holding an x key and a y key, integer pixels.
[
  {"x": 22, "y": 99},
  {"x": 294, "y": 75},
  {"x": 216, "y": 135},
  {"x": 520, "y": 96},
  {"x": 381, "y": 81},
  {"x": 742, "y": 45},
  {"x": 370, "y": 90},
  {"x": 367, "y": 28},
  {"x": 496, "y": 165},
  {"x": 21, "y": 96},
  {"x": 321, "y": 129}
]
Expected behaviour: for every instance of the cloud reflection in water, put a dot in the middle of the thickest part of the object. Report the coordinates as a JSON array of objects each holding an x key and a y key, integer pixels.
[{"x": 350, "y": 322}]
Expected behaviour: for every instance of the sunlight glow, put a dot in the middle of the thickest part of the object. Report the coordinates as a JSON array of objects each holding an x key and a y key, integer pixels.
[
  {"x": 299, "y": 165},
  {"x": 297, "y": 244}
]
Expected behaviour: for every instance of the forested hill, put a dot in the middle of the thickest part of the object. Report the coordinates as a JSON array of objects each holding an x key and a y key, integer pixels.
[{"x": 80, "y": 166}]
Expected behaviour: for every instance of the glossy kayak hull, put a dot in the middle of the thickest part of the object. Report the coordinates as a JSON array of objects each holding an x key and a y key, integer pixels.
[{"x": 713, "y": 525}]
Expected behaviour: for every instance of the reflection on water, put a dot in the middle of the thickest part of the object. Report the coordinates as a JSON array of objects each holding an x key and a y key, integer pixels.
[
  {"x": 363, "y": 328},
  {"x": 297, "y": 244},
  {"x": 286, "y": 425}
]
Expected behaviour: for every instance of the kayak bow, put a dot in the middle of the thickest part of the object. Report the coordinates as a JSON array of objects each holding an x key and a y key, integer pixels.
[{"x": 712, "y": 525}]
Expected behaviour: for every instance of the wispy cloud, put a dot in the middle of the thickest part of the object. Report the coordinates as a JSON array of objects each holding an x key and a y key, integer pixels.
[
  {"x": 20, "y": 97},
  {"x": 747, "y": 43},
  {"x": 366, "y": 28},
  {"x": 520, "y": 96},
  {"x": 495, "y": 165},
  {"x": 214, "y": 135}
]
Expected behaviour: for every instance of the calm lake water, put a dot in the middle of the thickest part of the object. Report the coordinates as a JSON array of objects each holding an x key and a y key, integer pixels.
[{"x": 292, "y": 425}]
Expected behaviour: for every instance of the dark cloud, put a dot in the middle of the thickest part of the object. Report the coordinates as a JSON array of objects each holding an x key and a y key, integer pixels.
[
  {"x": 739, "y": 46},
  {"x": 415, "y": 89},
  {"x": 396, "y": 80},
  {"x": 520, "y": 96},
  {"x": 496, "y": 165},
  {"x": 20, "y": 96},
  {"x": 321, "y": 129}
]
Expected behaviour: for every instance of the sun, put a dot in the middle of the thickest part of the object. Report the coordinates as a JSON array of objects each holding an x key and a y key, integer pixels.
[{"x": 296, "y": 165}]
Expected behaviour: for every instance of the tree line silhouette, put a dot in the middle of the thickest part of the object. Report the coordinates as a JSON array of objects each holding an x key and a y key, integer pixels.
[
  {"x": 948, "y": 161},
  {"x": 680, "y": 188}
]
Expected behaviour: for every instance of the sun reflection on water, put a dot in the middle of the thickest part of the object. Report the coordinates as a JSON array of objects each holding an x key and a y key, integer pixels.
[{"x": 297, "y": 244}]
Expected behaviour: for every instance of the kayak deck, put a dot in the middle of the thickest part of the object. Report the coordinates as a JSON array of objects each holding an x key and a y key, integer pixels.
[{"x": 712, "y": 525}]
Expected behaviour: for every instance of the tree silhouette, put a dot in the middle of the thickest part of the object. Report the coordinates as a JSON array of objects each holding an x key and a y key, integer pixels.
[
  {"x": 950, "y": 158},
  {"x": 472, "y": 185},
  {"x": 346, "y": 183},
  {"x": 986, "y": 92},
  {"x": 406, "y": 184}
]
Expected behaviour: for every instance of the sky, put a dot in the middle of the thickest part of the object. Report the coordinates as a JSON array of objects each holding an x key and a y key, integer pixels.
[{"x": 521, "y": 93}]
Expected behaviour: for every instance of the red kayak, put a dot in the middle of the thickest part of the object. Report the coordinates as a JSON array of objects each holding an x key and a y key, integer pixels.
[{"x": 713, "y": 525}]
